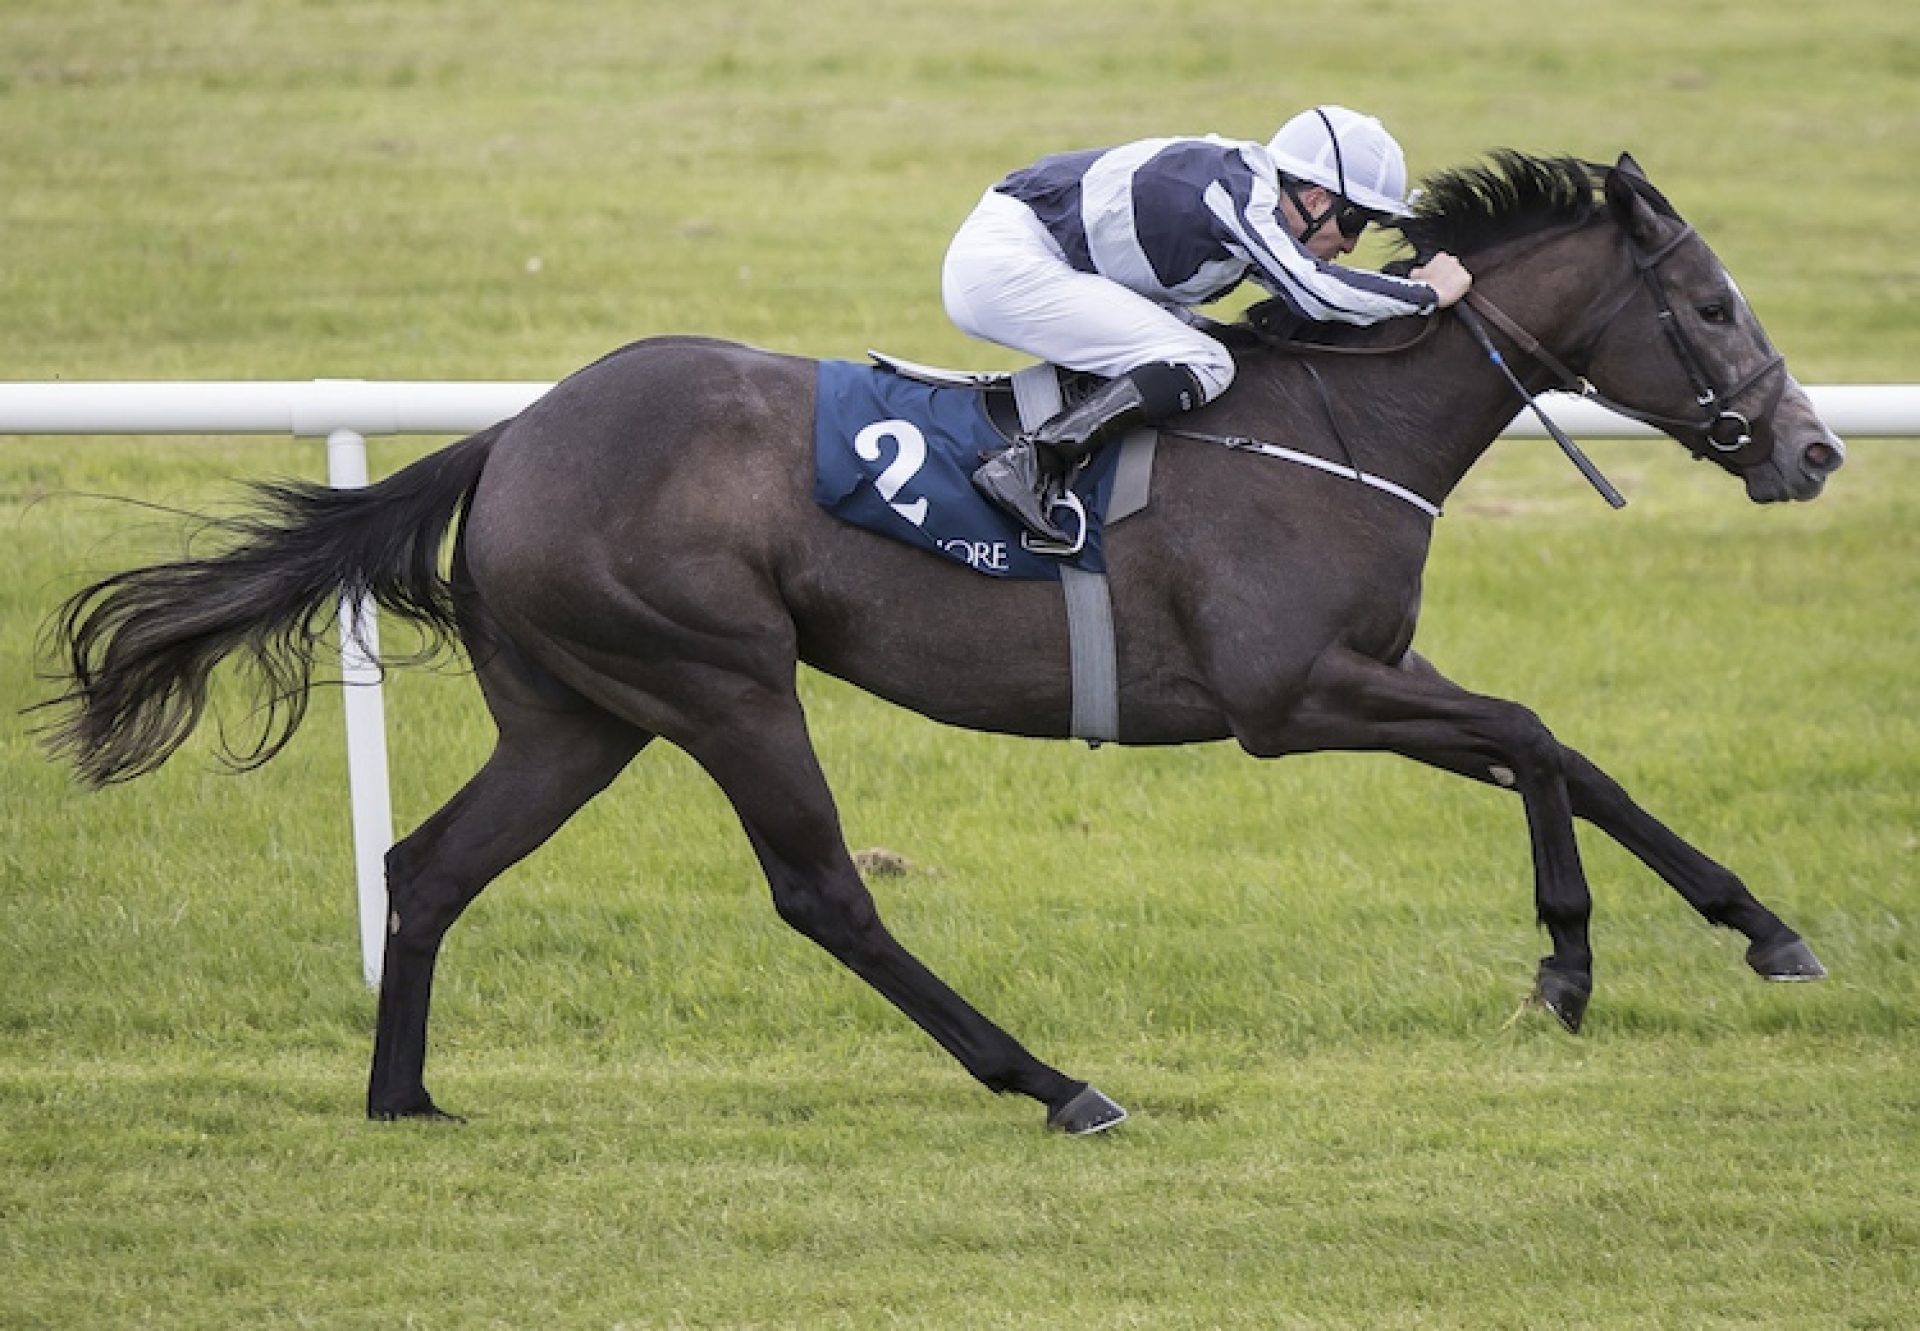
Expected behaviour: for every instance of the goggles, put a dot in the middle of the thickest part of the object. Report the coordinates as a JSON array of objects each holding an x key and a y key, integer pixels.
[
  {"x": 1349, "y": 217},
  {"x": 1352, "y": 219}
]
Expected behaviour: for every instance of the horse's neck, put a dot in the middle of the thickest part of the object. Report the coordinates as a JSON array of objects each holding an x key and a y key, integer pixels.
[
  {"x": 1553, "y": 289},
  {"x": 1425, "y": 417}
]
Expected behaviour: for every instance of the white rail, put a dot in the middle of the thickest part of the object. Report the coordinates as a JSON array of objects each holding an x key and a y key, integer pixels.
[
  {"x": 345, "y": 412},
  {"x": 316, "y": 408}
]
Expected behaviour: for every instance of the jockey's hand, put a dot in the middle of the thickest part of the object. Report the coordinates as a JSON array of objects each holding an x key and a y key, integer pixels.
[{"x": 1446, "y": 275}]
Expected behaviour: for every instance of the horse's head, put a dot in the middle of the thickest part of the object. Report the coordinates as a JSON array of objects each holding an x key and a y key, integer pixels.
[
  {"x": 1686, "y": 351},
  {"x": 1645, "y": 312}
]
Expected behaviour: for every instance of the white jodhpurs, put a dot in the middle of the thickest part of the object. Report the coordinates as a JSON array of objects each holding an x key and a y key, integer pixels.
[{"x": 1005, "y": 280}]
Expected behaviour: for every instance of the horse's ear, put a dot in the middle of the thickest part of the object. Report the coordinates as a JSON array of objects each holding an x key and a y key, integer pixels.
[{"x": 1627, "y": 190}]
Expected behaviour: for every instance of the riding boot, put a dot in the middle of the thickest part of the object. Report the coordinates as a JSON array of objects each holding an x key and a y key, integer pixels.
[{"x": 1025, "y": 480}]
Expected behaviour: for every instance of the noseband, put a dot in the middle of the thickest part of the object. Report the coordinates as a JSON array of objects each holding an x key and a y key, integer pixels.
[{"x": 1728, "y": 434}]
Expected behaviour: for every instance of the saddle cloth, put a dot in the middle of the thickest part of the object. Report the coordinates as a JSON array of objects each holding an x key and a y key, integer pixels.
[{"x": 895, "y": 455}]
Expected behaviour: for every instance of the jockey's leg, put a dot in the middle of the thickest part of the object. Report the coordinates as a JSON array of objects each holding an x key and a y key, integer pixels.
[
  {"x": 1005, "y": 281},
  {"x": 1023, "y": 480}
]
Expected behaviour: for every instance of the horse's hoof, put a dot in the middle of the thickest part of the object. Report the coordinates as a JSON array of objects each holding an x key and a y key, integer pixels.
[
  {"x": 1088, "y": 1112},
  {"x": 1564, "y": 995},
  {"x": 423, "y": 1113},
  {"x": 1790, "y": 961}
]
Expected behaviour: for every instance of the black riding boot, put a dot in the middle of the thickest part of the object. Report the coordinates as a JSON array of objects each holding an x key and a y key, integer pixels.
[{"x": 1026, "y": 479}]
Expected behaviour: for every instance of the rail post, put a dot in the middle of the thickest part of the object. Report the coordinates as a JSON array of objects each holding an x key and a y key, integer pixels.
[{"x": 367, "y": 785}]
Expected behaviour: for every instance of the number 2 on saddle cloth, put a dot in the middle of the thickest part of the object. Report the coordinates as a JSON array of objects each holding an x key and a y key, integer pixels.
[{"x": 895, "y": 456}]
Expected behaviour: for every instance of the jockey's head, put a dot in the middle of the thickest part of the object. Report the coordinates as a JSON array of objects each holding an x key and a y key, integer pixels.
[{"x": 1340, "y": 167}]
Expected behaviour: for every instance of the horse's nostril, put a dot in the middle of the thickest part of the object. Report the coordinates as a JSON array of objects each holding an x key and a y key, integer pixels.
[{"x": 1820, "y": 457}]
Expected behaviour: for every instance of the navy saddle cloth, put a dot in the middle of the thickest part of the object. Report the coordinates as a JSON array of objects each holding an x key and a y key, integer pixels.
[{"x": 896, "y": 456}]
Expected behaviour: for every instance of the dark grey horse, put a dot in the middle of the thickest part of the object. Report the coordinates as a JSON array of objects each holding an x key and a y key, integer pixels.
[{"x": 640, "y": 556}]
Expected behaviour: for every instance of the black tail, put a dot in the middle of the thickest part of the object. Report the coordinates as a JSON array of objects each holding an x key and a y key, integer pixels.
[{"x": 136, "y": 650}]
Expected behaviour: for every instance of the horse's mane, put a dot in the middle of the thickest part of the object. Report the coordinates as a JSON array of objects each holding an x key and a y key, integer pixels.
[
  {"x": 1465, "y": 211},
  {"x": 1471, "y": 209}
]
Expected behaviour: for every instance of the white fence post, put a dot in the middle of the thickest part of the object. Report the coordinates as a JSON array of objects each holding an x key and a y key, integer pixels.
[{"x": 367, "y": 787}]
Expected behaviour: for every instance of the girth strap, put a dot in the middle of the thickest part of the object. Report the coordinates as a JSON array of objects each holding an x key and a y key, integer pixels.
[
  {"x": 1094, "y": 660},
  {"x": 1096, "y": 673}
]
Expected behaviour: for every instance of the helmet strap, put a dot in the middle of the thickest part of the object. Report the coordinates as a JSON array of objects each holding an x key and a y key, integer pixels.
[{"x": 1313, "y": 223}]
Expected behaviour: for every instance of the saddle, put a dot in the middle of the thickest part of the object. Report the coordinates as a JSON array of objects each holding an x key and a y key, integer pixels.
[
  {"x": 896, "y": 444},
  {"x": 997, "y": 387}
]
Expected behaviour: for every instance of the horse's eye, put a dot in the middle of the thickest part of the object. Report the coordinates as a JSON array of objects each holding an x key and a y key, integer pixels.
[{"x": 1715, "y": 312}]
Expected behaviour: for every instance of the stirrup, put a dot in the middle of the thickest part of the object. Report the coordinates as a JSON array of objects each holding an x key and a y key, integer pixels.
[
  {"x": 1017, "y": 483},
  {"x": 1053, "y": 549}
]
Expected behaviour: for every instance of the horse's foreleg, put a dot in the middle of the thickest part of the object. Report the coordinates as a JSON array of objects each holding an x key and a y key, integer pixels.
[
  {"x": 1356, "y": 703},
  {"x": 544, "y": 768},
  {"x": 1774, "y": 950},
  {"x": 763, "y": 760}
]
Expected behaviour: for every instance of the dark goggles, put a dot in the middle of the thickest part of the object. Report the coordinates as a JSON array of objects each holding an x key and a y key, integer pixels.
[
  {"x": 1352, "y": 219},
  {"x": 1348, "y": 216}
]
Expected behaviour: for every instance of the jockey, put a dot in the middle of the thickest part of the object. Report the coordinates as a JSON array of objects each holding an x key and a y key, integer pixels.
[{"x": 1094, "y": 261}]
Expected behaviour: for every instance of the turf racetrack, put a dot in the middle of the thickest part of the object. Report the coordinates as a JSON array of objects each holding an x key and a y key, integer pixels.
[{"x": 1304, "y": 978}]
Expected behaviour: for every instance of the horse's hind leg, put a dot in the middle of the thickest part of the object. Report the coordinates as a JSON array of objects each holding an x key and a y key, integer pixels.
[
  {"x": 550, "y": 759},
  {"x": 762, "y": 758}
]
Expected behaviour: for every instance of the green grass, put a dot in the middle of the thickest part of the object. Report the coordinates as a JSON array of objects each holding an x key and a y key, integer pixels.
[
  {"x": 1406, "y": 1186},
  {"x": 1299, "y": 976}
]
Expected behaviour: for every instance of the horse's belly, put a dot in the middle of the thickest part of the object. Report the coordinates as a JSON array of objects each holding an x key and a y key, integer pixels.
[{"x": 988, "y": 654}]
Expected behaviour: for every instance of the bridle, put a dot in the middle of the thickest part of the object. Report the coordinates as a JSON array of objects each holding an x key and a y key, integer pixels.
[{"x": 1727, "y": 434}]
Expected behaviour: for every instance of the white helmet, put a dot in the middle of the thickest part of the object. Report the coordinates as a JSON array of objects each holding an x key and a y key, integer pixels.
[{"x": 1346, "y": 152}]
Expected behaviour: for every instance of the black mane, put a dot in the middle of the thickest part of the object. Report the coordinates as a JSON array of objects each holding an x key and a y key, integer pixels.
[{"x": 1471, "y": 209}]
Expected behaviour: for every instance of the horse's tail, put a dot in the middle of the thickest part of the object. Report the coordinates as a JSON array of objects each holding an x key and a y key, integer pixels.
[{"x": 136, "y": 650}]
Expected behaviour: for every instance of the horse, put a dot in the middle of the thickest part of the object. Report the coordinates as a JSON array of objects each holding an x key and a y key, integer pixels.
[{"x": 638, "y": 556}]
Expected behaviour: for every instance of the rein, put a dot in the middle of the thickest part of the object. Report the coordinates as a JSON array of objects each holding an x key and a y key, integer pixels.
[
  {"x": 1303, "y": 347},
  {"x": 1532, "y": 347}
]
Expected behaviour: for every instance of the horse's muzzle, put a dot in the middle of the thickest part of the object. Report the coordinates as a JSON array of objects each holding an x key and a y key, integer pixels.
[
  {"x": 1797, "y": 471},
  {"x": 1805, "y": 453}
]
